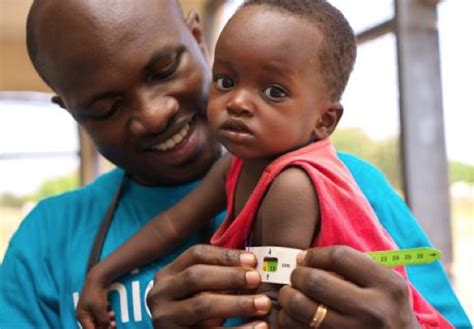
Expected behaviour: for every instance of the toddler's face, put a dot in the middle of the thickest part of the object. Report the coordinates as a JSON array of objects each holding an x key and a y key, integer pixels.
[{"x": 267, "y": 95}]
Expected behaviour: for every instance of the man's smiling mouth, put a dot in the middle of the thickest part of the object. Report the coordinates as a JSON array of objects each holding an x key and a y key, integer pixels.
[{"x": 173, "y": 140}]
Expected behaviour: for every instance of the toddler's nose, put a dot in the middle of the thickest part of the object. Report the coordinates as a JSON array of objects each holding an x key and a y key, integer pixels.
[{"x": 240, "y": 103}]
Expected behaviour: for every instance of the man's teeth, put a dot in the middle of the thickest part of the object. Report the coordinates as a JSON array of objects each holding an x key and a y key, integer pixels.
[{"x": 173, "y": 140}]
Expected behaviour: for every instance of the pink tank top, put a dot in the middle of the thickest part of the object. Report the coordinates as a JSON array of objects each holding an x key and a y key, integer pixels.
[{"x": 346, "y": 216}]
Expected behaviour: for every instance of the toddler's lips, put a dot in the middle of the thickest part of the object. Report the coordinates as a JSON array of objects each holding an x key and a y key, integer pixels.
[
  {"x": 237, "y": 126},
  {"x": 235, "y": 131}
]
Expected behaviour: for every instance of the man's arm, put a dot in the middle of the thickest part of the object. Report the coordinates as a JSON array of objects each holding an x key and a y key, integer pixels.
[{"x": 430, "y": 280}]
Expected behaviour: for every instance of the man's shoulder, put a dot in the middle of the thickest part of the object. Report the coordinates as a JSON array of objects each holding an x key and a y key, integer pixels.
[
  {"x": 103, "y": 186},
  {"x": 364, "y": 173},
  {"x": 60, "y": 211}
]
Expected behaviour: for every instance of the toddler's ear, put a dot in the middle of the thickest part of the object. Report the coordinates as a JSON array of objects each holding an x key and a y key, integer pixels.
[
  {"x": 328, "y": 121},
  {"x": 58, "y": 101}
]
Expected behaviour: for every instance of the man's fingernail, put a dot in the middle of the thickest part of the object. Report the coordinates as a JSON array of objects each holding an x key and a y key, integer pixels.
[
  {"x": 252, "y": 278},
  {"x": 262, "y": 303},
  {"x": 300, "y": 257},
  {"x": 261, "y": 325},
  {"x": 247, "y": 259}
]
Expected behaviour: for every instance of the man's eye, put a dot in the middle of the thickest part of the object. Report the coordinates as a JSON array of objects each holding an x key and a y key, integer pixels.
[
  {"x": 224, "y": 83},
  {"x": 165, "y": 67},
  {"x": 164, "y": 73},
  {"x": 114, "y": 109},
  {"x": 275, "y": 93},
  {"x": 107, "y": 114}
]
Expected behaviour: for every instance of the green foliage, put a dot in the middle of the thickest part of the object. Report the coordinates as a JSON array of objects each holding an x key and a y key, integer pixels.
[
  {"x": 355, "y": 141},
  {"x": 11, "y": 200},
  {"x": 55, "y": 186},
  {"x": 47, "y": 188},
  {"x": 460, "y": 172},
  {"x": 384, "y": 154}
]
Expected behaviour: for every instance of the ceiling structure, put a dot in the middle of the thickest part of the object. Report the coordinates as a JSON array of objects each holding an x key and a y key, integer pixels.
[{"x": 16, "y": 71}]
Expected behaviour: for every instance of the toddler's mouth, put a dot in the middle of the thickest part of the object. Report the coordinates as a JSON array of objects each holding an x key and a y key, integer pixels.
[{"x": 235, "y": 126}]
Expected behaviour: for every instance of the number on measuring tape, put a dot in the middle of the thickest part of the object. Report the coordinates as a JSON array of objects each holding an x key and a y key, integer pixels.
[{"x": 402, "y": 257}]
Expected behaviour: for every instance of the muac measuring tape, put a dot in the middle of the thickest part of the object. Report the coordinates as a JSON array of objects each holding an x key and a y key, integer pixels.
[{"x": 275, "y": 264}]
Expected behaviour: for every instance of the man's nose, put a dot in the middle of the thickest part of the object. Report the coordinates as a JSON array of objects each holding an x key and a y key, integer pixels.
[
  {"x": 153, "y": 114},
  {"x": 241, "y": 103}
]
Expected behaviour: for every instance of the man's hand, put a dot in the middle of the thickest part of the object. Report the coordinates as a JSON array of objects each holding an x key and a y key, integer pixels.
[
  {"x": 201, "y": 288},
  {"x": 357, "y": 292}
]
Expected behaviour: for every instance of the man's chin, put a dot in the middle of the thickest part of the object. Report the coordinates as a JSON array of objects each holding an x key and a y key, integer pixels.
[
  {"x": 187, "y": 170},
  {"x": 173, "y": 176}
]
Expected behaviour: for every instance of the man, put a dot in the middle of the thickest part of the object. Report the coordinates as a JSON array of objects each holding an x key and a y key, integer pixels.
[{"x": 134, "y": 74}]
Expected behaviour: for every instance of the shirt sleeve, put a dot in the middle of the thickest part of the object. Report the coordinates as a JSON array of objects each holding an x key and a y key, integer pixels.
[
  {"x": 29, "y": 298},
  {"x": 430, "y": 280}
]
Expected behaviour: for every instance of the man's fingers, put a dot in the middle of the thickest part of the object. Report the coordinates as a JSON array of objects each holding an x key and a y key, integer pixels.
[
  {"x": 254, "y": 325},
  {"x": 199, "y": 278},
  {"x": 297, "y": 311},
  {"x": 331, "y": 321},
  {"x": 211, "y": 255},
  {"x": 189, "y": 312},
  {"x": 320, "y": 285},
  {"x": 354, "y": 265}
]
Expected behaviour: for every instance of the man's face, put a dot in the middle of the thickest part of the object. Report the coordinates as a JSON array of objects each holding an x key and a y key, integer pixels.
[
  {"x": 136, "y": 77},
  {"x": 268, "y": 96}
]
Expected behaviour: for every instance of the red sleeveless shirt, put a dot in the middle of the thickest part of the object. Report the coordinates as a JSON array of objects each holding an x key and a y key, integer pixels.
[{"x": 346, "y": 216}]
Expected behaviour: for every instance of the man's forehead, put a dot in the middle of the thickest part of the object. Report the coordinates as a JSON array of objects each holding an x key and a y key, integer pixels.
[
  {"x": 101, "y": 36},
  {"x": 111, "y": 12},
  {"x": 71, "y": 28}
]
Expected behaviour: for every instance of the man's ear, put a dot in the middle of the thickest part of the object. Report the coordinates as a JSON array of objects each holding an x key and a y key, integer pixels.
[
  {"x": 194, "y": 24},
  {"x": 58, "y": 101},
  {"x": 328, "y": 121}
]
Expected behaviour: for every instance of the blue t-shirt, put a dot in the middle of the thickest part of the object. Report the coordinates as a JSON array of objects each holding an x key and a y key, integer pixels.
[{"x": 44, "y": 267}]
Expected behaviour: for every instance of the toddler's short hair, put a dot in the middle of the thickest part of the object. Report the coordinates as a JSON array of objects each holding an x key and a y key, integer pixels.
[{"x": 338, "y": 52}]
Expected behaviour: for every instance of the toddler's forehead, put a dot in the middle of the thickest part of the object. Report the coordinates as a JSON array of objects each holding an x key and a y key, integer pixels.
[{"x": 271, "y": 34}]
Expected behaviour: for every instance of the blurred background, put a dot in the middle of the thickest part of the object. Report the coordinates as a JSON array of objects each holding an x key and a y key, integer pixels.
[{"x": 408, "y": 110}]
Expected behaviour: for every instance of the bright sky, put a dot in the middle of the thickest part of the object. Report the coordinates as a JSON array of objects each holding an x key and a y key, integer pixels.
[
  {"x": 372, "y": 93},
  {"x": 34, "y": 126}
]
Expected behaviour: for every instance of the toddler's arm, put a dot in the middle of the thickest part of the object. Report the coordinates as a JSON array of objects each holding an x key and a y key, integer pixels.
[
  {"x": 288, "y": 217},
  {"x": 162, "y": 234}
]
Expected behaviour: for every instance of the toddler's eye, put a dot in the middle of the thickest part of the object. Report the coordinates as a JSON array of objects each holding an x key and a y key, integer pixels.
[
  {"x": 224, "y": 83},
  {"x": 275, "y": 93}
]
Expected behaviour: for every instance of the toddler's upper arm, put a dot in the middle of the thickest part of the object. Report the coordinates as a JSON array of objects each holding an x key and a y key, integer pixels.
[{"x": 289, "y": 213}]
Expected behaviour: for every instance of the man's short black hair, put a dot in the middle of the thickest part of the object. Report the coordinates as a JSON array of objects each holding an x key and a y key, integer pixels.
[
  {"x": 338, "y": 52},
  {"x": 32, "y": 40}
]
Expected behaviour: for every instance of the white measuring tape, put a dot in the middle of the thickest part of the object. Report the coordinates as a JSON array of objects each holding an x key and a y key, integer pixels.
[{"x": 275, "y": 264}]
